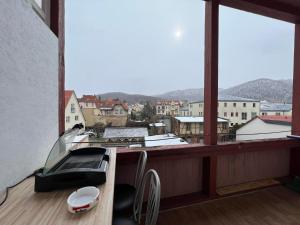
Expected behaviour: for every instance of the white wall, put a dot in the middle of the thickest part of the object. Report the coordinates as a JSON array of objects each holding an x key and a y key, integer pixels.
[
  {"x": 71, "y": 115},
  {"x": 258, "y": 126},
  {"x": 28, "y": 90}
]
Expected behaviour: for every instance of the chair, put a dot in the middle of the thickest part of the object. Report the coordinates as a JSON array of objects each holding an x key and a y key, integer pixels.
[
  {"x": 153, "y": 203},
  {"x": 125, "y": 194}
]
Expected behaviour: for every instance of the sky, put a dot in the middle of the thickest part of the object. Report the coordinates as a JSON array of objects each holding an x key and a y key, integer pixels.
[{"x": 155, "y": 46}]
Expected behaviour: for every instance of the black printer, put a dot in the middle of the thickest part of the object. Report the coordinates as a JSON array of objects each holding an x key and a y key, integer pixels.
[{"x": 71, "y": 165}]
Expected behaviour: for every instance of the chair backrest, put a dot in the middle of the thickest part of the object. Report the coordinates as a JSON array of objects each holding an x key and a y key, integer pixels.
[
  {"x": 153, "y": 203},
  {"x": 140, "y": 170}
]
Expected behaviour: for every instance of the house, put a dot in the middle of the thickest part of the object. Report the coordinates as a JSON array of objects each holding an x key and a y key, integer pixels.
[
  {"x": 167, "y": 107},
  {"x": 192, "y": 128},
  {"x": 275, "y": 109},
  {"x": 265, "y": 127},
  {"x": 89, "y": 101},
  {"x": 236, "y": 109},
  {"x": 124, "y": 136},
  {"x": 163, "y": 140},
  {"x": 73, "y": 114}
]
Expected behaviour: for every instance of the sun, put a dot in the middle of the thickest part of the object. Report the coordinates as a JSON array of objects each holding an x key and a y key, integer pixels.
[{"x": 178, "y": 34}]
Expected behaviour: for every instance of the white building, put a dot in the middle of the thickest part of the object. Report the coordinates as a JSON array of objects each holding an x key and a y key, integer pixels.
[
  {"x": 237, "y": 110},
  {"x": 275, "y": 109},
  {"x": 168, "y": 108},
  {"x": 265, "y": 127},
  {"x": 73, "y": 114}
]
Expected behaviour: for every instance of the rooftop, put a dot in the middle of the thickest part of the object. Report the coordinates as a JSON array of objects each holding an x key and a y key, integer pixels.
[
  {"x": 195, "y": 119},
  {"x": 121, "y": 132},
  {"x": 229, "y": 98},
  {"x": 275, "y": 107},
  {"x": 163, "y": 140},
  {"x": 281, "y": 120}
]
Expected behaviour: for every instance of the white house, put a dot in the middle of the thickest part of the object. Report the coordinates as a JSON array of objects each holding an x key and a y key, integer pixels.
[
  {"x": 73, "y": 114},
  {"x": 237, "y": 110},
  {"x": 265, "y": 127}
]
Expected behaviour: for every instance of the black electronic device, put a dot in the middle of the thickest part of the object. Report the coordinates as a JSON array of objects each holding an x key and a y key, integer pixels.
[{"x": 69, "y": 165}]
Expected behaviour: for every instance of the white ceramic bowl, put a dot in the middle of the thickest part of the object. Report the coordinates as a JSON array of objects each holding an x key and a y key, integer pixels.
[{"x": 83, "y": 199}]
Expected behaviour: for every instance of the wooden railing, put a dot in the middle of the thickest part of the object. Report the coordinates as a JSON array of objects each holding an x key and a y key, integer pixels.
[{"x": 191, "y": 173}]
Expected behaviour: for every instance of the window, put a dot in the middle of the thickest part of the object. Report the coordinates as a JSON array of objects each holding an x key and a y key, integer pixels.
[
  {"x": 86, "y": 104},
  {"x": 236, "y": 114},
  {"x": 264, "y": 114},
  {"x": 231, "y": 124},
  {"x": 244, "y": 116},
  {"x": 254, "y": 105},
  {"x": 253, "y": 114},
  {"x": 277, "y": 114},
  {"x": 244, "y": 105},
  {"x": 225, "y": 104},
  {"x": 225, "y": 114},
  {"x": 42, "y": 8},
  {"x": 234, "y": 104},
  {"x": 232, "y": 114},
  {"x": 67, "y": 119},
  {"x": 76, "y": 118},
  {"x": 73, "y": 108},
  {"x": 188, "y": 127}
]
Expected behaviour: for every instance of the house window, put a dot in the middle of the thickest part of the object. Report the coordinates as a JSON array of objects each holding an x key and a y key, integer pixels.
[
  {"x": 76, "y": 118},
  {"x": 234, "y": 104},
  {"x": 277, "y": 114},
  {"x": 244, "y": 104},
  {"x": 254, "y": 105},
  {"x": 188, "y": 127},
  {"x": 73, "y": 108},
  {"x": 67, "y": 119},
  {"x": 244, "y": 116},
  {"x": 86, "y": 104},
  {"x": 225, "y": 104},
  {"x": 232, "y": 114},
  {"x": 42, "y": 8},
  {"x": 236, "y": 114},
  {"x": 253, "y": 114},
  {"x": 264, "y": 114},
  {"x": 225, "y": 114}
]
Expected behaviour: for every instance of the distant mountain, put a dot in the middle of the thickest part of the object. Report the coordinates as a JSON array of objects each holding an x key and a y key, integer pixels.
[
  {"x": 263, "y": 89},
  {"x": 187, "y": 94},
  {"x": 130, "y": 98}
]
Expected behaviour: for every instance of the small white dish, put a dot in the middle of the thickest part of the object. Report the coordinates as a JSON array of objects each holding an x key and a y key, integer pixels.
[{"x": 83, "y": 199}]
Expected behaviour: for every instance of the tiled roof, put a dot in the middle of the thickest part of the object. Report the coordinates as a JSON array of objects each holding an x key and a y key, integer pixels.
[
  {"x": 287, "y": 120},
  {"x": 123, "y": 132},
  {"x": 230, "y": 98},
  {"x": 68, "y": 94}
]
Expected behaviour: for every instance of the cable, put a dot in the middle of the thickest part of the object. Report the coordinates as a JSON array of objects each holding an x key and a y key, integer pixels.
[{"x": 7, "y": 189}]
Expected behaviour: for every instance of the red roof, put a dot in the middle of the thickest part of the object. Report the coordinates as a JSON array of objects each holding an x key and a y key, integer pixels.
[
  {"x": 287, "y": 119},
  {"x": 68, "y": 94}
]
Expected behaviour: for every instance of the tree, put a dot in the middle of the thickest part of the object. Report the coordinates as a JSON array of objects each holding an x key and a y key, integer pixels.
[{"x": 148, "y": 112}]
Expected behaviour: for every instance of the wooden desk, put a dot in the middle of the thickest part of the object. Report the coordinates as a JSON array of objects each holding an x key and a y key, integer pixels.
[{"x": 25, "y": 207}]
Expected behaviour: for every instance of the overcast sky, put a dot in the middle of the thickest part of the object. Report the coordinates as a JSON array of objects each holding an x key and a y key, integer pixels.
[{"x": 155, "y": 46}]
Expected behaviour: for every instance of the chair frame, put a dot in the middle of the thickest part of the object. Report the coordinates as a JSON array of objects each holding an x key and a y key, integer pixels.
[{"x": 153, "y": 203}]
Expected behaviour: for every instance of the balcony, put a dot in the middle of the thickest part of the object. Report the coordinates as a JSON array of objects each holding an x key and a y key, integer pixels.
[{"x": 245, "y": 180}]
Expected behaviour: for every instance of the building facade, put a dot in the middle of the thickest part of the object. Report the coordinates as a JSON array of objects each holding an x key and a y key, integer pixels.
[
  {"x": 235, "y": 109},
  {"x": 73, "y": 113},
  {"x": 168, "y": 108},
  {"x": 192, "y": 128}
]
